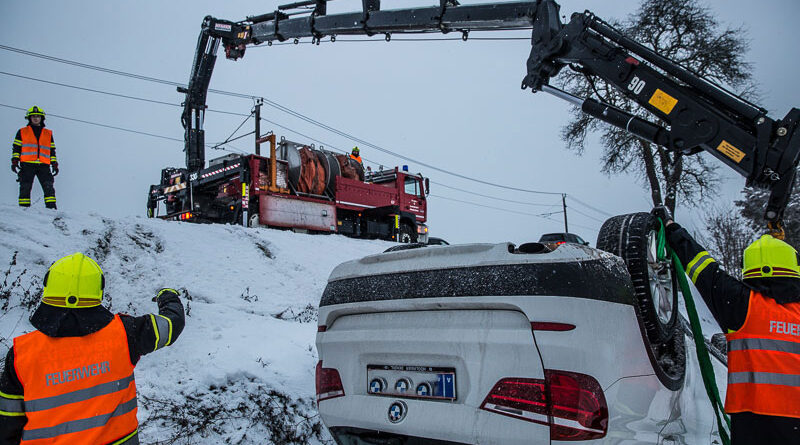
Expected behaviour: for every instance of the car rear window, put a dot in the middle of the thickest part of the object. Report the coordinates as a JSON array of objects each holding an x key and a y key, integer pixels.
[{"x": 552, "y": 237}]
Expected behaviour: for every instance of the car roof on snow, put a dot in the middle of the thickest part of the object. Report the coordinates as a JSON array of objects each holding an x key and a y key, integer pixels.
[{"x": 459, "y": 256}]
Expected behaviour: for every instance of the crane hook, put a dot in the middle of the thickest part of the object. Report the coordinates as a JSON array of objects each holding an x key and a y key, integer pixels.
[{"x": 776, "y": 230}]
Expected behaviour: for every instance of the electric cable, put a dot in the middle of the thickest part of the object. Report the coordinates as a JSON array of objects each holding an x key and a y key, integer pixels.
[
  {"x": 578, "y": 201},
  {"x": 494, "y": 197},
  {"x": 493, "y": 207},
  {"x": 234, "y": 132},
  {"x": 586, "y": 215},
  {"x": 144, "y": 133}
]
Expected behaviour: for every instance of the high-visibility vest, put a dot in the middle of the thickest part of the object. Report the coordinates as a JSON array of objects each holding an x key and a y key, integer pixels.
[
  {"x": 764, "y": 360},
  {"x": 356, "y": 158},
  {"x": 77, "y": 389},
  {"x": 34, "y": 150}
]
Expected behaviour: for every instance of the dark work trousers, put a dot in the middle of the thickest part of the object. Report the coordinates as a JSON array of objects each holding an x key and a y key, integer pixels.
[
  {"x": 27, "y": 172},
  {"x": 756, "y": 429}
]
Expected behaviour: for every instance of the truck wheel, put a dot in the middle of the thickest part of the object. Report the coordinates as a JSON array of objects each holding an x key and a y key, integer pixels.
[
  {"x": 407, "y": 234},
  {"x": 252, "y": 220},
  {"x": 634, "y": 238}
]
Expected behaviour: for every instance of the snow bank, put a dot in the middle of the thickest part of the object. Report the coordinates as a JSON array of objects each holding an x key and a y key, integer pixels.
[{"x": 243, "y": 369}]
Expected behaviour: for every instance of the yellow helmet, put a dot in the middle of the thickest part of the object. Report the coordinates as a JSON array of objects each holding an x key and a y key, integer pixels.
[
  {"x": 770, "y": 257},
  {"x": 75, "y": 281},
  {"x": 34, "y": 111}
]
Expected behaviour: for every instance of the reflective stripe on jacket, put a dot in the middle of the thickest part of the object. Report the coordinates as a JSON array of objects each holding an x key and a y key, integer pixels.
[
  {"x": 77, "y": 389},
  {"x": 34, "y": 150},
  {"x": 764, "y": 360}
]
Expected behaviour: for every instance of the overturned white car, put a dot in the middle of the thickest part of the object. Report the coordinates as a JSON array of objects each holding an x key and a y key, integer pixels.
[{"x": 497, "y": 344}]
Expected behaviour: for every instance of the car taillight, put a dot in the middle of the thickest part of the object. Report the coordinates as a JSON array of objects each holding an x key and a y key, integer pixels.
[
  {"x": 329, "y": 384},
  {"x": 524, "y": 399},
  {"x": 572, "y": 404},
  {"x": 578, "y": 406},
  {"x": 185, "y": 216}
]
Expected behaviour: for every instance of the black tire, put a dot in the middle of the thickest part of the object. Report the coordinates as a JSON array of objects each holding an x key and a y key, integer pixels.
[
  {"x": 407, "y": 234},
  {"x": 633, "y": 237}
]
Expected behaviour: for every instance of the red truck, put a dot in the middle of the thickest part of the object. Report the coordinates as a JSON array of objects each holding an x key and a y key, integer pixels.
[{"x": 299, "y": 187}]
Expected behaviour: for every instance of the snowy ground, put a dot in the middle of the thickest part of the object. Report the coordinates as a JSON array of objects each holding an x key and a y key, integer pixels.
[{"x": 243, "y": 369}]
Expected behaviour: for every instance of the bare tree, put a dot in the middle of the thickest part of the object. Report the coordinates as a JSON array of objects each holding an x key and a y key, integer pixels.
[
  {"x": 727, "y": 236},
  {"x": 686, "y": 32}
]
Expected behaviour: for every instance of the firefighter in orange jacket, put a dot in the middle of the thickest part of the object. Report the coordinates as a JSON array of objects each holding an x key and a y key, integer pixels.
[
  {"x": 33, "y": 155},
  {"x": 354, "y": 155},
  {"x": 355, "y": 160},
  {"x": 71, "y": 380},
  {"x": 761, "y": 318}
]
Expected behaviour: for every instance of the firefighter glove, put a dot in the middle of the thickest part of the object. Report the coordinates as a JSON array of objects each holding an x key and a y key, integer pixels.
[
  {"x": 165, "y": 294},
  {"x": 662, "y": 212},
  {"x": 54, "y": 167},
  {"x": 14, "y": 165}
]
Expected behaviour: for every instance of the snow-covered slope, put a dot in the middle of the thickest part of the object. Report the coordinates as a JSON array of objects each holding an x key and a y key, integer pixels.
[{"x": 243, "y": 369}]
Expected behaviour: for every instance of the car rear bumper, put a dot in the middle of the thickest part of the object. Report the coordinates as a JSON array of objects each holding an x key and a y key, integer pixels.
[{"x": 426, "y": 422}]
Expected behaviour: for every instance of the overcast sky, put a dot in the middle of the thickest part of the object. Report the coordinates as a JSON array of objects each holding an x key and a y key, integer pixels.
[{"x": 452, "y": 104}]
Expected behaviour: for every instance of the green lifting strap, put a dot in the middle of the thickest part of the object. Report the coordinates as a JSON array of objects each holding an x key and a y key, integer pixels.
[{"x": 706, "y": 368}]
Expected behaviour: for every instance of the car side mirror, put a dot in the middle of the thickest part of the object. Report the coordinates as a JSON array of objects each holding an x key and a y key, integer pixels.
[
  {"x": 427, "y": 186},
  {"x": 586, "y": 243}
]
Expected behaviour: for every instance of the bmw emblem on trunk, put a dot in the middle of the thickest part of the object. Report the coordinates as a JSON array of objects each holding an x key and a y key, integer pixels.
[
  {"x": 376, "y": 386},
  {"x": 423, "y": 390},
  {"x": 397, "y": 411},
  {"x": 402, "y": 385}
]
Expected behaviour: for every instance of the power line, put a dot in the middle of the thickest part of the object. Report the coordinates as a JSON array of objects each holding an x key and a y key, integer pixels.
[
  {"x": 589, "y": 206},
  {"x": 586, "y": 215},
  {"x": 494, "y": 197},
  {"x": 494, "y": 208},
  {"x": 109, "y": 126},
  {"x": 109, "y": 93},
  {"x": 284, "y": 109},
  {"x": 87, "y": 89}
]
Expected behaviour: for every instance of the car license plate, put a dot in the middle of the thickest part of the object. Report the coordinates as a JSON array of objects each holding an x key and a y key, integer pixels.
[{"x": 418, "y": 382}]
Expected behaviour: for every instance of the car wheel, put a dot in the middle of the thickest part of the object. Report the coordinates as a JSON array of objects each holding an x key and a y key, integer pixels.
[
  {"x": 407, "y": 234},
  {"x": 634, "y": 238}
]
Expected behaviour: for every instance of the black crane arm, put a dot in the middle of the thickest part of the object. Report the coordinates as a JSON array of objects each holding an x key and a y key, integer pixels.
[{"x": 697, "y": 115}]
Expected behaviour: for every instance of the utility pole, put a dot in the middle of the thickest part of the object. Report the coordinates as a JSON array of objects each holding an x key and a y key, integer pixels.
[
  {"x": 564, "y": 203},
  {"x": 259, "y": 102}
]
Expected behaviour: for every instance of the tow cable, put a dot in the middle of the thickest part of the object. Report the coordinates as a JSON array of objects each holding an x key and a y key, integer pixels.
[{"x": 706, "y": 368}]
